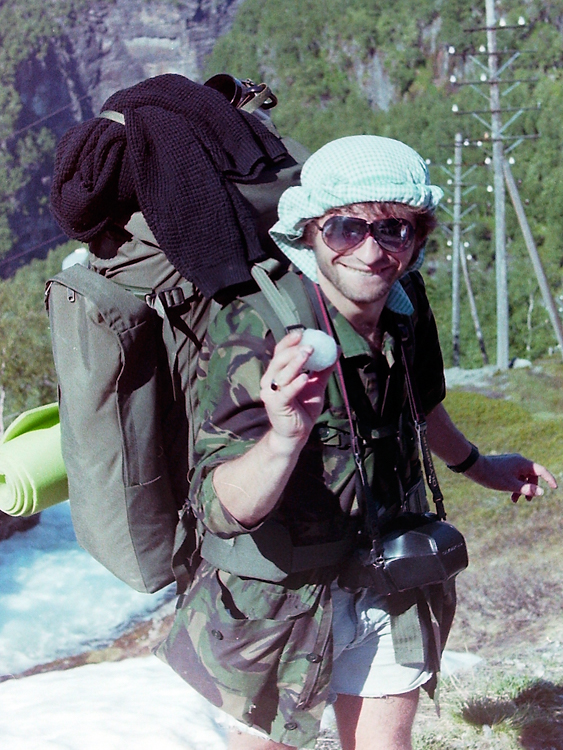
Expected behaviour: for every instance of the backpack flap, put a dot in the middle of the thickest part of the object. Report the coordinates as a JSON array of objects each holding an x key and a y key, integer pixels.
[{"x": 106, "y": 350}]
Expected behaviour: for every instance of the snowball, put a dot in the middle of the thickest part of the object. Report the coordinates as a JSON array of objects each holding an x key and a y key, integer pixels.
[{"x": 324, "y": 346}]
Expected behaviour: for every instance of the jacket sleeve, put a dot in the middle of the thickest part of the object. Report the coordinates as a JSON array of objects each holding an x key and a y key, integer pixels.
[{"x": 235, "y": 354}]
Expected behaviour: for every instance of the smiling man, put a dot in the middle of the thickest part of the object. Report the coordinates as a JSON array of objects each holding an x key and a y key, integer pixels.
[{"x": 270, "y": 633}]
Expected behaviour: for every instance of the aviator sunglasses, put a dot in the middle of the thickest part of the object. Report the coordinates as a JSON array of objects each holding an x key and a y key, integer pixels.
[{"x": 343, "y": 234}]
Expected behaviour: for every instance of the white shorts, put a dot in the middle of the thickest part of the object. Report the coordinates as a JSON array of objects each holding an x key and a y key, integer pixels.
[{"x": 364, "y": 657}]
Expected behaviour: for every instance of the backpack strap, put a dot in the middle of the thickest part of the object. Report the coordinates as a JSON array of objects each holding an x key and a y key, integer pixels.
[
  {"x": 105, "y": 293},
  {"x": 283, "y": 304}
]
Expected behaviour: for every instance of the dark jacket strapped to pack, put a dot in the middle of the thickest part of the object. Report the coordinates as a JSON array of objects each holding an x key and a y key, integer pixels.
[{"x": 177, "y": 159}]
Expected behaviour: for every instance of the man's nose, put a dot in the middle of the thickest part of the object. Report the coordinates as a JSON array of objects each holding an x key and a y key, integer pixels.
[{"x": 369, "y": 251}]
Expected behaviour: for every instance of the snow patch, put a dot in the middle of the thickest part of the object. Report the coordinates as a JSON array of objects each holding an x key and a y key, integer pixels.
[{"x": 137, "y": 704}]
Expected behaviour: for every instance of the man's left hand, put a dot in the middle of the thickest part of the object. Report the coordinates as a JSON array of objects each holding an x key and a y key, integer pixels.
[
  {"x": 512, "y": 473},
  {"x": 508, "y": 472}
]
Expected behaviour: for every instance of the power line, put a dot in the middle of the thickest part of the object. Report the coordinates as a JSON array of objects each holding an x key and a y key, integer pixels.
[
  {"x": 31, "y": 249},
  {"x": 46, "y": 117}
]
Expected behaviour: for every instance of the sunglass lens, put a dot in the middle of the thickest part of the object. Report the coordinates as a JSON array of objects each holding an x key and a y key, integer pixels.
[
  {"x": 342, "y": 233},
  {"x": 394, "y": 234}
]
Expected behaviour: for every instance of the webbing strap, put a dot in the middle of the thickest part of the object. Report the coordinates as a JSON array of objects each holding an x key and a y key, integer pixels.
[
  {"x": 420, "y": 424},
  {"x": 407, "y": 637},
  {"x": 258, "y": 100},
  {"x": 172, "y": 296},
  {"x": 283, "y": 306},
  {"x": 268, "y": 553}
]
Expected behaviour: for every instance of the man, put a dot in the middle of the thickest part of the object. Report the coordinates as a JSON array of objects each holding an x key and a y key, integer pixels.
[{"x": 276, "y": 472}]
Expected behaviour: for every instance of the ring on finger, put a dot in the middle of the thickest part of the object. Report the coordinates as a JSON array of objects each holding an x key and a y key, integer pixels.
[{"x": 274, "y": 386}]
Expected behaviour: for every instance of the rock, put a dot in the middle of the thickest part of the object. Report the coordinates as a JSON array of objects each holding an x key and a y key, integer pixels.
[
  {"x": 110, "y": 46},
  {"x": 115, "y": 45},
  {"x": 105, "y": 47},
  {"x": 10, "y": 525},
  {"x": 518, "y": 364},
  {"x": 140, "y": 640}
]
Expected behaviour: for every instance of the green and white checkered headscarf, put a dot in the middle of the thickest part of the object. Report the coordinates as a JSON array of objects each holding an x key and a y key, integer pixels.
[{"x": 355, "y": 169}]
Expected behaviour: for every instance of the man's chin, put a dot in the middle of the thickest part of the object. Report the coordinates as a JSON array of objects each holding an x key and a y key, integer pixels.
[
  {"x": 368, "y": 294},
  {"x": 357, "y": 288}
]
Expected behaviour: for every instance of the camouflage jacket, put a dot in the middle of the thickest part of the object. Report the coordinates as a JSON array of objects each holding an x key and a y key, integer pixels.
[{"x": 261, "y": 649}]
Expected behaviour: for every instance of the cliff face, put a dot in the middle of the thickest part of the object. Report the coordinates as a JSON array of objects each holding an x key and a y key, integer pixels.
[
  {"x": 115, "y": 45},
  {"x": 106, "y": 47}
]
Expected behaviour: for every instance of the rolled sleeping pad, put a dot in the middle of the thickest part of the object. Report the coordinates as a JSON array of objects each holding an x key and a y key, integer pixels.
[{"x": 32, "y": 472}]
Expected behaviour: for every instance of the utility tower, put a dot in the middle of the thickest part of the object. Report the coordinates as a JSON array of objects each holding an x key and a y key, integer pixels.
[
  {"x": 459, "y": 259},
  {"x": 492, "y": 77},
  {"x": 500, "y": 198}
]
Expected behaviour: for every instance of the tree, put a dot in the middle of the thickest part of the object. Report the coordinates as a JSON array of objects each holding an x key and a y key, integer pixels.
[{"x": 27, "y": 374}]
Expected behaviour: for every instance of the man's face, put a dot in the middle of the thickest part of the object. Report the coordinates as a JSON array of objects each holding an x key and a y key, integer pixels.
[{"x": 365, "y": 275}]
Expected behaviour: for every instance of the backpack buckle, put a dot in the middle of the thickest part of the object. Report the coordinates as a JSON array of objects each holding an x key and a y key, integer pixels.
[{"x": 171, "y": 297}]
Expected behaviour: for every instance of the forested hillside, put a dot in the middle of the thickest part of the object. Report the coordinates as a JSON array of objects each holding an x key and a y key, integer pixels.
[
  {"x": 60, "y": 60},
  {"x": 342, "y": 67},
  {"x": 354, "y": 66},
  {"x": 27, "y": 29}
]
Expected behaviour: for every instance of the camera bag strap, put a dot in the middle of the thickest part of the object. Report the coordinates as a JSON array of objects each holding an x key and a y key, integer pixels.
[
  {"x": 420, "y": 423},
  {"x": 366, "y": 497}
]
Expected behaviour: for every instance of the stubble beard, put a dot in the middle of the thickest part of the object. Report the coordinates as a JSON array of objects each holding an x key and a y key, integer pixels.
[{"x": 378, "y": 289}]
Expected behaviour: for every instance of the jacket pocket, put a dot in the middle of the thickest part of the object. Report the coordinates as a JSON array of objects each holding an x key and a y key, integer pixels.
[{"x": 251, "y": 599}]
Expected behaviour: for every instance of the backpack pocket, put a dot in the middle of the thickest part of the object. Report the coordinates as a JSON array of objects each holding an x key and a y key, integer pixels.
[{"x": 107, "y": 347}]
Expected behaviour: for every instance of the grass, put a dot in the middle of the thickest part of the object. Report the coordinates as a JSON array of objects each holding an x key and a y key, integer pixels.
[
  {"x": 524, "y": 415},
  {"x": 501, "y": 712},
  {"x": 534, "y": 711}
]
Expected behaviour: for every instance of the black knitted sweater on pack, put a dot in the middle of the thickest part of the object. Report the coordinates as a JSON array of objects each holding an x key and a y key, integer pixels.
[{"x": 182, "y": 149}]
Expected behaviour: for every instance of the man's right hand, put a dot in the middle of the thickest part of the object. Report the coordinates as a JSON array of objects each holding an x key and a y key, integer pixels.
[
  {"x": 293, "y": 398},
  {"x": 250, "y": 486}
]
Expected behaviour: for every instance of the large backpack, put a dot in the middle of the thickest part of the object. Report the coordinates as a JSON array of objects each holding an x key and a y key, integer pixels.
[{"x": 126, "y": 333}]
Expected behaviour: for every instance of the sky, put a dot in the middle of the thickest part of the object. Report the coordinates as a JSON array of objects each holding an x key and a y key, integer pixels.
[{"x": 56, "y": 601}]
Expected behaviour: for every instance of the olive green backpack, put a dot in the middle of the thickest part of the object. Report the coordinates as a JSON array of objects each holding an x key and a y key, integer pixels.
[
  {"x": 125, "y": 364},
  {"x": 126, "y": 333}
]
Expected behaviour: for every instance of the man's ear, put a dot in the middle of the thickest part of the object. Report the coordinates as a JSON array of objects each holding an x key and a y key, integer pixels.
[{"x": 308, "y": 233}]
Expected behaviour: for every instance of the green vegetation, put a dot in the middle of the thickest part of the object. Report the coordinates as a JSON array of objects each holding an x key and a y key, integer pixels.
[
  {"x": 26, "y": 26},
  {"x": 507, "y": 713},
  {"x": 509, "y": 600},
  {"x": 365, "y": 66},
  {"x": 27, "y": 376},
  {"x": 522, "y": 411}
]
